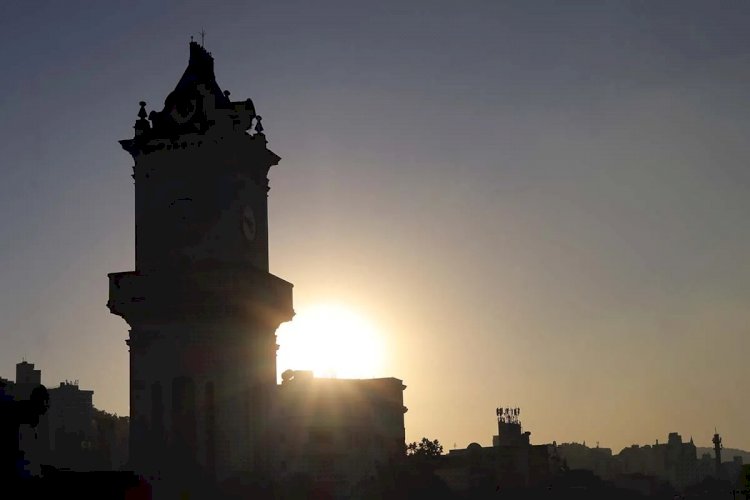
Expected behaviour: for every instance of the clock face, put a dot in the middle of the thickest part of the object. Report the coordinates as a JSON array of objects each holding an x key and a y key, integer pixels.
[
  {"x": 249, "y": 225},
  {"x": 183, "y": 115}
]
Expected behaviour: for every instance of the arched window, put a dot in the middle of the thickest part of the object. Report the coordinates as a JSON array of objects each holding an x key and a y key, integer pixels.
[
  {"x": 210, "y": 428},
  {"x": 183, "y": 412},
  {"x": 157, "y": 409}
]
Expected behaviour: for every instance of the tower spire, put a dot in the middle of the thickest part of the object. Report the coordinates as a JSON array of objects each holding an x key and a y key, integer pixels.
[
  {"x": 201, "y": 225},
  {"x": 717, "y": 452}
]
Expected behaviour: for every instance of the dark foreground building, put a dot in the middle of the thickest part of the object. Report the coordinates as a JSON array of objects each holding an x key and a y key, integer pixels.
[
  {"x": 337, "y": 433},
  {"x": 201, "y": 305},
  {"x": 207, "y": 417}
]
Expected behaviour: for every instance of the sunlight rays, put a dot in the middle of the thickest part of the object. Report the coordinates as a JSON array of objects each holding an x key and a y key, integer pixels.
[{"x": 332, "y": 340}]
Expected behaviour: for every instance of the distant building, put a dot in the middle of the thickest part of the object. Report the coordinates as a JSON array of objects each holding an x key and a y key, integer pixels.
[
  {"x": 70, "y": 420},
  {"x": 673, "y": 461},
  {"x": 337, "y": 432},
  {"x": 68, "y": 435},
  {"x": 680, "y": 460},
  {"x": 733, "y": 469},
  {"x": 706, "y": 467},
  {"x": 637, "y": 459},
  {"x": 34, "y": 441},
  {"x": 511, "y": 462},
  {"x": 726, "y": 470},
  {"x": 718, "y": 473},
  {"x": 27, "y": 378},
  {"x": 579, "y": 456}
]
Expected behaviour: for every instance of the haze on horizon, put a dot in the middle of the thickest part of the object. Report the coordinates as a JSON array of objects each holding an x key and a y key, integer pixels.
[{"x": 541, "y": 206}]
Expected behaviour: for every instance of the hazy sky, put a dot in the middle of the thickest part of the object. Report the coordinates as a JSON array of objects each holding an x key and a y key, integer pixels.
[{"x": 537, "y": 204}]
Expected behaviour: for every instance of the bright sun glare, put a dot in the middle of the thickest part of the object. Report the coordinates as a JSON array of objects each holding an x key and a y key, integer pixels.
[{"x": 332, "y": 341}]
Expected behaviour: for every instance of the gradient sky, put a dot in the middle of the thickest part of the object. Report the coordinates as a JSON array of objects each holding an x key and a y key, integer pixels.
[{"x": 538, "y": 204}]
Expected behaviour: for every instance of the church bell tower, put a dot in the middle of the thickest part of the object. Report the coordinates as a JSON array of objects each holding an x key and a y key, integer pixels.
[{"x": 201, "y": 304}]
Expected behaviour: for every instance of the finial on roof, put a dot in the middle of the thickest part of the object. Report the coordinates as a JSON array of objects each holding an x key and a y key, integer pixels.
[
  {"x": 141, "y": 124},
  {"x": 203, "y": 36},
  {"x": 258, "y": 125}
]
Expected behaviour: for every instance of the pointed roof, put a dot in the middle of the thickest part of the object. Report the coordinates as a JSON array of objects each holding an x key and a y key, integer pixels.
[
  {"x": 196, "y": 105},
  {"x": 194, "y": 98},
  {"x": 200, "y": 70}
]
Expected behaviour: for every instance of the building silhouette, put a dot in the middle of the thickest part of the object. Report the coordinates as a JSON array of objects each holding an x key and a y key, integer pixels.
[
  {"x": 579, "y": 456},
  {"x": 71, "y": 434},
  {"x": 717, "y": 455},
  {"x": 33, "y": 440},
  {"x": 673, "y": 462},
  {"x": 681, "y": 461},
  {"x": 27, "y": 378},
  {"x": 511, "y": 463},
  {"x": 31, "y": 468},
  {"x": 206, "y": 413},
  {"x": 337, "y": 433},
  {"x": 20, "y": 412},
  {"x": 201, "y": 304},
  {"x": 71, "y": 427}
]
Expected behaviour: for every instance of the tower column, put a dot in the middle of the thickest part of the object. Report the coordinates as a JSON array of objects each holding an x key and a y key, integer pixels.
[
  {"x": 201, "y": 304},
  {"x": 717, "y": 455}
]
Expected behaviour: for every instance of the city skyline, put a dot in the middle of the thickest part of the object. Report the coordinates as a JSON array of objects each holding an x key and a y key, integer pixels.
[
  {"x": 534, "y": 224},
  {"x": 730, "y": 450}
]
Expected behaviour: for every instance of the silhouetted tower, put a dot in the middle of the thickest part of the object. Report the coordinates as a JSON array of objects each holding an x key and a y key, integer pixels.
[
  {"x": 27, "y": 378},
  {"x": 509, "y": 428},
  {"x": 717, "y": 453},
  {"x": 201, "y": 305}
]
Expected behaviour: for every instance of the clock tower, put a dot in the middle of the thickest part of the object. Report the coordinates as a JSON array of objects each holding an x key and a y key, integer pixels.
[{"x": 201, "y": 304}]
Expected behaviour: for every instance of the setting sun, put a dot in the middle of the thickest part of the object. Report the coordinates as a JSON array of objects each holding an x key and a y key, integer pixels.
[{"x": 331, "y": 340}]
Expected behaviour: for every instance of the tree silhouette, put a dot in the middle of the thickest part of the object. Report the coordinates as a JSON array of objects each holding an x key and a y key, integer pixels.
[{"x": 425, "y": 448}]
